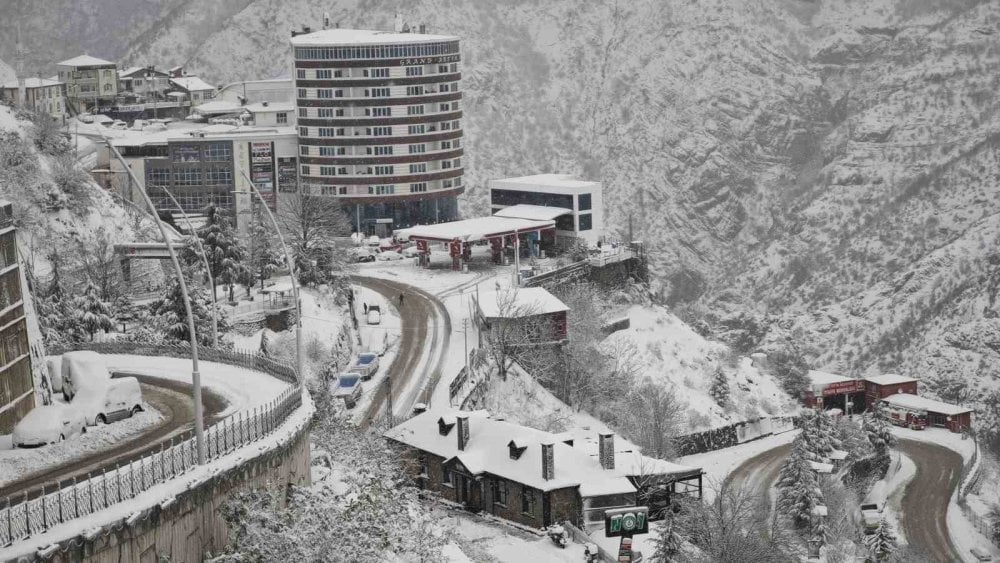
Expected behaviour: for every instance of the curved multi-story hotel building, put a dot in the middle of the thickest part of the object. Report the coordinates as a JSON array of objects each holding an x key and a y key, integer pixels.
[{"x": 379, "y": 124}]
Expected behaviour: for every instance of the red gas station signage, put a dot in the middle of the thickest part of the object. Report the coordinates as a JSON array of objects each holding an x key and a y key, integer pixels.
[{"x": 841, "y": 387}]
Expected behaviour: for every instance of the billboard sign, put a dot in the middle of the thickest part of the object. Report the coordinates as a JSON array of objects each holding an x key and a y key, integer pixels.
[
  {"x": 625, "y": 522},
  {"x": 262, "y": 169},
  {"x": 841, "y": 387}
]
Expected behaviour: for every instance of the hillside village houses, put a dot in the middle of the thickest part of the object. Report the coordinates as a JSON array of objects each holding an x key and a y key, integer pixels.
[
  {"x": 43, "y": 95},
  {"x": 91, "y": 83},
  {"x": 531, "y": 477}
]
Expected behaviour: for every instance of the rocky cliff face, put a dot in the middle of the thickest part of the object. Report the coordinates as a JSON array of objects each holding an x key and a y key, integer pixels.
[{"x": 831, "y": 164}]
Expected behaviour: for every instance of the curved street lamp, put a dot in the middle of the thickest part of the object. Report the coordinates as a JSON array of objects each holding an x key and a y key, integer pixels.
[
  {"x": 199, "y": 422},
  {"x": 291, "y": 274}
]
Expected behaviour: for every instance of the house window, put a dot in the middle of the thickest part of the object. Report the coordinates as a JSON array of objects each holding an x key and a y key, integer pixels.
[
  {"x": 584, "y": 202},
  {"x": 586, "y": 222},
  {"x": 414, "y": 71},
  {"x": 527, "y": 500},
  {"x": 424, "y": 468},
  {"x": 500, "y": 492},
  {"x": 447, "y": 480},
  {"x": 282, "y": 118}
]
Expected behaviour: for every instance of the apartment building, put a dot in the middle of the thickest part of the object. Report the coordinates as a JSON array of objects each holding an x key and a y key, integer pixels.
[
  {"x": 43, "y": 95},
  {"x": 91, "y": 83},
  {"x": 379, "y": 124}
]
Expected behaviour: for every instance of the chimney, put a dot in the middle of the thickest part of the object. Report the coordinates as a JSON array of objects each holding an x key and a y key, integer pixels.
[
  {"x": 423, "y": 28},
  {"x": 548, "y": 462},
  {"x": 463, "y": 432},
  {"x": 606, "y": 450}
]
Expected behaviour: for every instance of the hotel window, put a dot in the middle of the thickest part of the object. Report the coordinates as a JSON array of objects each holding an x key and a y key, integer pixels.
[
  {"x": 445, "y": 88},
  {"x": 331, "y": 151},
  {"x": 442, "y": 69},
  {"x": 445, "y": 145},
  {"x": 443, "y": 107},
  {"x": 304, "y": 150},
  {"x": 302, "y": 93},
  {"x": 417, "y": 149},
  {"x": 305, "y": 170},
  {"x": 343, "y": 190},
  {"x": 328, "y": 190},
  {"x": 414, "y": 90},
  {"x": 414, "y": 71},
  {"x": 417, "y": 168},
  {"x": 416, "y": 129},
  {"x": 454, "y": 124},
  {"x": 458, "y": 163},
  {"x": 378, "y": 73},
  {"x": 301, "y": 73},
  {"x": 381, "y": 190},
  {"x": 323, "y": 73},
  {"x": 282, "y": 118},
  {"x": 383, "y": 170},
  {"x": 419, "y": 187},
  {"x": 415, "y": 110},
  {"x": 342, "y": 171},
  {"x": 327, "y": 171},
  {"x": 377, "y": 93},
  {"x": 378, "y": 131},
  {"x": 383, "y": 150},
  {"x": 454, "y": 67},
  {"x": 378, "y": 112},
  {"x": 303, "y": 131},
  {"x": 338, "y": 93},
  {"x": 445, "y": 126},
  {"x": 586, "y": 222},
  {"x": 303, "y": 112},
  {"x": 338, "y": 74},
  {"x": 326, "y": 131},
  {"x": 324, "y": 112},
  {"x": 324, "y": 93},
  {"x": 447, "y": 184},
  {"x": 583, "y": 202},
  {"x": 500, "y": 492}
]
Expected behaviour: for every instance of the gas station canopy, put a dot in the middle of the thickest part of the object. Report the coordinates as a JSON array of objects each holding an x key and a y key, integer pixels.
[{"x": 471, "y": 230}]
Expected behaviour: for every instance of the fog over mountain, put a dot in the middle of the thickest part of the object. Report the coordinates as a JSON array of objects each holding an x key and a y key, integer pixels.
[{"x": 828, "y": 166}]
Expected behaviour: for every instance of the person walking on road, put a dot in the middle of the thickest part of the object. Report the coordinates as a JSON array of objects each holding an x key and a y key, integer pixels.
[
  {"x": 366, "y": 308},
  {"x": 400, "y": 299}
]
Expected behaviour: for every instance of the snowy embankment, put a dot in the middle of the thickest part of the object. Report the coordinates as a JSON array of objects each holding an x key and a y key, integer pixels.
[
  {"x": 718, "y": 464},
  {"x": 242, "y": 388},
  {"x": 900, "y": 474},
  {"x": 156, "y": 494}
]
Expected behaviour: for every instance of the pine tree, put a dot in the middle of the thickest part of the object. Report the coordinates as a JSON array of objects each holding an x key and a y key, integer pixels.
[
  {"x": 225, "y": 254},
  {"x": 879, "y": 430},
  {"x": 172, "y": 313},
  {"x": 882, "y": 543},
  {"x": 93, "y": 313},
  {"x": 668, "y": 542},
  {"x": 262, "y": 256},
  {"x": 797, "y": 485},
  {"x": 720, "y": 387}
]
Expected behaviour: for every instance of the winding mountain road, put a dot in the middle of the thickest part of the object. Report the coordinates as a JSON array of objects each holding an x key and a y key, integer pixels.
[
  {"x": 925, "y": 499},
  {"x": 421, "y": 315}
]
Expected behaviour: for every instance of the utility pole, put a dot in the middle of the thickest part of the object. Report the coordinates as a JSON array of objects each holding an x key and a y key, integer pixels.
[
  {"x": 291, "y": 274},
  {"x": 199, "y": 411},
  {"x": 465, "y": 336},
  {"x": 388, "y": 400}
]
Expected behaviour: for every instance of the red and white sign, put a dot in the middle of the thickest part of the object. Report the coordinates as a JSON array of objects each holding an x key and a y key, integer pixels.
[{"x": 841, "y": 387}]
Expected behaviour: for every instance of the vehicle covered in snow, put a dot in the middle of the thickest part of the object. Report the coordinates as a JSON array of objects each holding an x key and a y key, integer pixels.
[
  {"x": 49, "y": 424},
  {"x": 906, "y": 417},
  {"x": 362, "y": 254},
  {"x": 873, "y": 505},
  {"x": 81, "y": 370},
  {"x": 120, "y": 398},
  {"x": 374, "y": 315},
  {"x": 389, "y": 256},
  {"x": 53, "y": 368},
  {"x": 347, "y": 387},
  {"x": 366, "y": 365}
]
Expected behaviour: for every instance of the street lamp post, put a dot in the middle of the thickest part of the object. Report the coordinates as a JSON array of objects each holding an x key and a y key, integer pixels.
[
  {"x": 291, "y": 274},
  {"x": 199, "y": 422},
  {"x": 208, "y": 266}
]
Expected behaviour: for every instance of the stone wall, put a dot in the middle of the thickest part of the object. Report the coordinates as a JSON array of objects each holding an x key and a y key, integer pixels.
[{"x": 191, "y": 529}]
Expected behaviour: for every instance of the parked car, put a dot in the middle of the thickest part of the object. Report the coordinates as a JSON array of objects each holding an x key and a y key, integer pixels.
[
  {"x": 49, "y": 424},
  {"x": 362, "y": 254},
  {"x": 410, "y": 252},
  {"x": 374, "y": 241},
  {"x": 374, "y": 315},
  {"x": 119, "y": 399},
  {"x": 347, "y": 387},
  {"x": 872, "y": 507},
  {"x": 53, "y": 366},
  {"x": 85, "y": 118},
  {"x": 366, "y": 365},
  {"x": 80, "y": 370},
  {"x": 389, "y": 255}
]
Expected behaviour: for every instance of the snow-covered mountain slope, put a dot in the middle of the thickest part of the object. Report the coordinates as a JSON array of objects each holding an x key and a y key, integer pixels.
[
  {"x": 830, "y": 162},
  {"x": 6, "y": 73}
]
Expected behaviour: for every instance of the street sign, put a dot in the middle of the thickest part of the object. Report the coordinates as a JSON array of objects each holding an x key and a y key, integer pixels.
[{"x": 626, "y": 521}]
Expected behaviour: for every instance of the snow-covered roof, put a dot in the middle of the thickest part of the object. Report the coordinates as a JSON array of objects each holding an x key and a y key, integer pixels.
[
  {"x": 821, "y": 467},
  {"x": 85, "y": 60},
  {"x": 523, "y": 302},
  {"x": 271, "y": 106},
  {"x": 533, "y": 212},
  {"x": 32, "y": 83},
  {"x": 479, "y": 228},
  {"x": 838, "y": 455},
  {"x": 131, "y": 70},
  {"x": 824, "y": 378},
  {"x": 278, "y": 288},
  {"x": 217, "y": 107},
  {"x": 191, "y": 83},
  {"x": 552, "y": 183},
  {"x": 364, "y": 37},
  {"x": 917, "y": 402},
  {"x": 487, "y": 451},
  {"x": 889, "y": 379}
]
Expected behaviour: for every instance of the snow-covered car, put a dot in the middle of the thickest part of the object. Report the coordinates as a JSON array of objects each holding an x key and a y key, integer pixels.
[
  {"x": 410, "y": 252},
  {"x": 362, "y": 254},
  {"x": 347, "y": 387},
  {"x": 120, "y": 398},
  {"x": 374, "y": 241},
  {"x": 85, "y": 118},
  {"x": 872, "y": 506},
  {"x": 53, "y": 366},
  {"x": 49, "y": 424},
  {"x": 366, "y": 365},
  {"x": 389, "y": 255},
  {"x": 82, "y": 369},
  {"x": 374, "y": 315}
]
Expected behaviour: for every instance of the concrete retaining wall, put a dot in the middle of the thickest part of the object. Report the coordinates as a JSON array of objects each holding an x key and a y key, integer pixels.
[{"x": 192, "y": 528}]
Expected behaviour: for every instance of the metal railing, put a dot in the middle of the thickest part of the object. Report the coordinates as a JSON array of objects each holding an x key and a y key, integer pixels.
[
  {"x": 21, "y": 519},
  {"x": 262, "y": 305}
]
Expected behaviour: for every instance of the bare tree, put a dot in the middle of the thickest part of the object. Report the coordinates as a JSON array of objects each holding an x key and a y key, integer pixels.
[
  {"x": 516, "y": 333},
  {"x": 652, "y": 418},
  {"x": 313, "y": 225},
  {"x": 100, "y": 264}
]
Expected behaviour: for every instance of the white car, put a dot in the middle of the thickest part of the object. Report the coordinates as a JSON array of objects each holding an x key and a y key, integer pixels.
[
  {"x": 81, "y": 370},
  {"x": 49, "y": 424},
  {"x": 410, "y": 252},
  {"x": 374, "y": 315},
  {"x": 362, "y": 254},
  {"x": 119, "y": 399},
  {"x": 389, "y": 255}
]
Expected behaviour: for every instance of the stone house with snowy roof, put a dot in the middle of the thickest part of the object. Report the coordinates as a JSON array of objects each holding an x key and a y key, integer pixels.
[{"x": 531, "y": 477}]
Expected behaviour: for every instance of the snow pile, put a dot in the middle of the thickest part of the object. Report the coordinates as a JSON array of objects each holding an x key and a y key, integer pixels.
[{"x": 674, "y": 355}]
